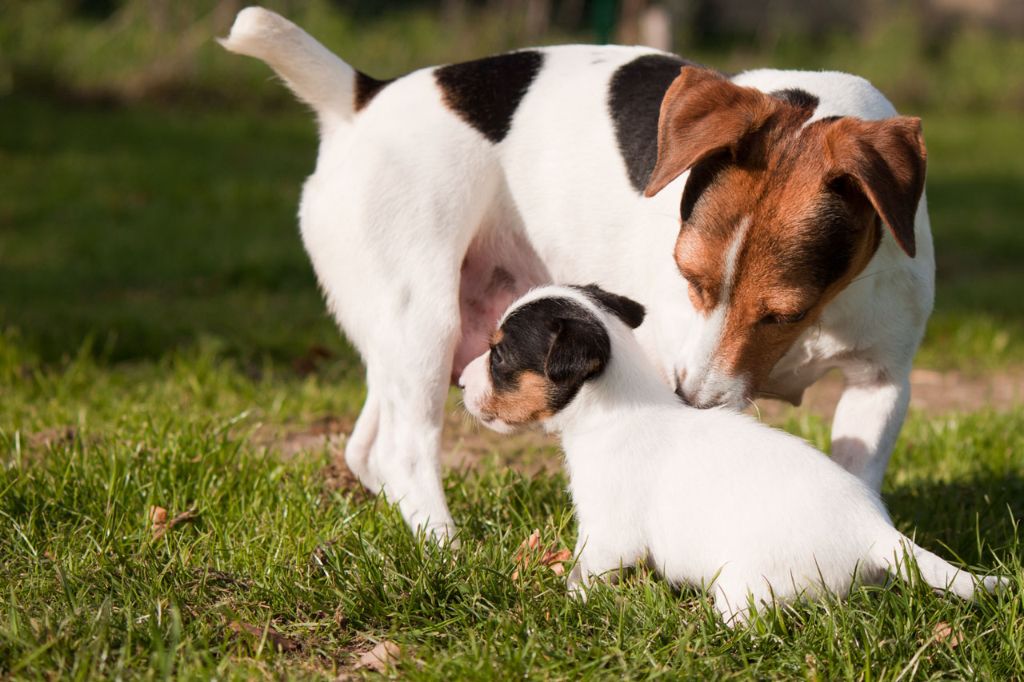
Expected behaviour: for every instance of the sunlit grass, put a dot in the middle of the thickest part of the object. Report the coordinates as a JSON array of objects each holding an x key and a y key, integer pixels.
[{"x": 86, "y": 590}]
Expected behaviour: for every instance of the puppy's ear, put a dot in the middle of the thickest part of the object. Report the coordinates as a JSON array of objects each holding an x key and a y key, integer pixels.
[
  {"x": 580, "y": 350},
  {"x": 626, "y": 309}
]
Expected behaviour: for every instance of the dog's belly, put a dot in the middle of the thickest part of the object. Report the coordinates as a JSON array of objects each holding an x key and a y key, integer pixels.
[{"x": 499, "y": 266}]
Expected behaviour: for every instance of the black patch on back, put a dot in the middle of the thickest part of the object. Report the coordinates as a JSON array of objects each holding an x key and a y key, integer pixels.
[
  {"x": 800, "y": 99},
  {"x": 486, "y": 93},
  {"x": 634, "y": 100},
  {"x": 367, "y": 88},
  {"x": 553, "y": 337}
]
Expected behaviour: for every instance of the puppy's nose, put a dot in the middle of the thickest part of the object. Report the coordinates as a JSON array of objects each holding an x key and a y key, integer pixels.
[{"x": 462, "y": 381}]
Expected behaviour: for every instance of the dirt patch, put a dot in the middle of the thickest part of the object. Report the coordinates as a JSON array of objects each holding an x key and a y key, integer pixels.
[
  {"x": 329, "y": 431},
  {"x": 466, "y": 443},
  {"x": 326, "y": 433},
  {"x": 55, "y": 436},
  {"x": 931, "y": 392}
]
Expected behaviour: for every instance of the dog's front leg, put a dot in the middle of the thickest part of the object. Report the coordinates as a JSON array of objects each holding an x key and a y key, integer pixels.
[{"x": 868, "y": 419}]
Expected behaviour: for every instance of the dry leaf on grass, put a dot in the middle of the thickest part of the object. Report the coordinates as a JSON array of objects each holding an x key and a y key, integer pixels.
[
  {"x": 160, "y": 525},
  {"x": 943, "y": 632},
  {"x": 158, "y": 521},
  {"x": 279, "y": 641},
  {"x": 531, "y": 552},
  {"x": 381, "y": 657}
]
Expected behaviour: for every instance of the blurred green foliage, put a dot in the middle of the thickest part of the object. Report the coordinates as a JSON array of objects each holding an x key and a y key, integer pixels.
[
  {"x": 169, "y": 219},
  {"x": 157, "y": 49}
]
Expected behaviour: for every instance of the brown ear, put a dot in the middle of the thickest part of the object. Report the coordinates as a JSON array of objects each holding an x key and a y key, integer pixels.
[
  {"x": 887, "y": 160},
  {"x": 702, "y": 113}
]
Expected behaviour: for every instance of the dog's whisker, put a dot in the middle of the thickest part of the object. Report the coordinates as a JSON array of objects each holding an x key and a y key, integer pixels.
[
  {"x": 757, "y": 409},
  {"x": 873, "y": 274}
]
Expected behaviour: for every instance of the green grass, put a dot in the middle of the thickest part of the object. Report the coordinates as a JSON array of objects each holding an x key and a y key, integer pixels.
[
  {"x": 159, "y": 319},
  {"x": 87, "y": 592}
]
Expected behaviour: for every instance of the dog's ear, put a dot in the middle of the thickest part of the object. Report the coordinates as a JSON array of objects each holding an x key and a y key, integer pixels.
[
  {"x": 626, "y": 309},
  {"x": 886, "y": 160},
  {"x": 580, "y": 349},
  {"x": 703, "y": 114}
]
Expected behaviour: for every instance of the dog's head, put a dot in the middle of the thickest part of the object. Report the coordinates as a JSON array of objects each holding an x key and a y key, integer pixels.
[
  {"x": 778, "y": 215},
  {"x": 548, "y": 344}
]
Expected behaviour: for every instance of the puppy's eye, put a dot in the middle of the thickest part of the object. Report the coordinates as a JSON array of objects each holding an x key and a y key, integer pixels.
[
  {"x": 497, "y": 357},
  {"x": 780, "y": 318}
]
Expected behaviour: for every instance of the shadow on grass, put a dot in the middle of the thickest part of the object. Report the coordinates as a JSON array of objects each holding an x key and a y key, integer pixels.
[{"x": 971, "y": 517}]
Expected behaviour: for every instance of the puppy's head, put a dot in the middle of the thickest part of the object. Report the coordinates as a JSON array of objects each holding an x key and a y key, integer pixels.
[
  {"x": 548, "y": 344},
  {"x": 779, "y": 213}
]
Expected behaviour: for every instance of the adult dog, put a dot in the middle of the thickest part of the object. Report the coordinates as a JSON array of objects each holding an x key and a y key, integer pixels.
[{"x": 746, "y": 214}]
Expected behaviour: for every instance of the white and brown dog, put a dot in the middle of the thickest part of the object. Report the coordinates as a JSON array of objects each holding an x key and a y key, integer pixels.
[
  {"x": 708, "y": 498},
  {"x": 772, "y": 223}
]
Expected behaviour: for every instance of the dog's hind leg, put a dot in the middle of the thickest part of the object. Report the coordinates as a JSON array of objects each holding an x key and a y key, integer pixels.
[
  {"x": 411, "y": 385},
  {"x": 387, "y": 219},
  {"x": 360, "y": 444}
]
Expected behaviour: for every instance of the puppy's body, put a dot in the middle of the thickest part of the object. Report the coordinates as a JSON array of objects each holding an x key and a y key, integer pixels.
[{"x": 709, "y": 498}]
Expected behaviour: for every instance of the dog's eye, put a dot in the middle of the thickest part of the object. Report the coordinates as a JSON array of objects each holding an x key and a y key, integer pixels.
[
  {"x": 696, "y": 289},
  {"x": 774, "y": 318},
  {"x": 497, "y": 358}
]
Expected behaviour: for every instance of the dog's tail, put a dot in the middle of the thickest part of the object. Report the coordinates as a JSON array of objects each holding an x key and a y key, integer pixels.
[
  {"x": 314, "y": 73},
  {"x": 938, "y": 573}
]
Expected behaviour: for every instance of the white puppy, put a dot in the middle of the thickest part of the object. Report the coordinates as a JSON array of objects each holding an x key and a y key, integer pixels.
[{"x": 710, "y": 498}]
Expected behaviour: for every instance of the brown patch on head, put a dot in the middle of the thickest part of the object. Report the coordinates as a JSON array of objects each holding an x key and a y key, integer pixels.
[
  {"x": 812, "y": 197},
  {"x": 525, "y": 402}
]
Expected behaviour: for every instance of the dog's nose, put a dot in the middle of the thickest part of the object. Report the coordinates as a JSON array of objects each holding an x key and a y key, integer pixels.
[{"x": 680, "y": 379}]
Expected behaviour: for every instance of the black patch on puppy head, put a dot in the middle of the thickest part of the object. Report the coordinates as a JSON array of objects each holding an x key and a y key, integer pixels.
[
  {"x": 367, "y": 88},
  {"x": 634, "y": 100},
  {"x": 486, "y": 93},
  {"x": 801, "y": 99},
  {"x": 626, "y": 309},
  {"x": 555, "y": 338}
]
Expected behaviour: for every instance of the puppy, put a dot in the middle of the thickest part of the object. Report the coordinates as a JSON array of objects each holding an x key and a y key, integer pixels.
[{"x": 710, "y": 498}]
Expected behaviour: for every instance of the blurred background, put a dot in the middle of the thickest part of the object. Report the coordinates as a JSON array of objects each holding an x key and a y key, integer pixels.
[{"x": 149, "y": 180}]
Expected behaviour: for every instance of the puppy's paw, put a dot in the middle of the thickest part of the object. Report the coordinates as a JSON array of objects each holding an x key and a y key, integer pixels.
[
  {"x": 995, "y": 584},
  {"x": 576, "y": 584}
]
